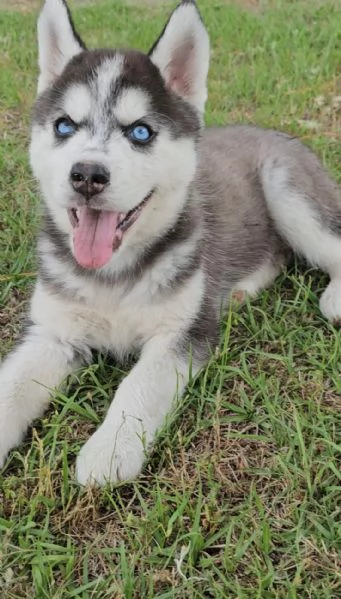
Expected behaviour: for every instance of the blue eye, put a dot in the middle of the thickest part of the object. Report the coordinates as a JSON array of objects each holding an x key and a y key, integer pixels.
[
  {"x": 140, "y": 134},
  {"x": 64, "y": 128}
]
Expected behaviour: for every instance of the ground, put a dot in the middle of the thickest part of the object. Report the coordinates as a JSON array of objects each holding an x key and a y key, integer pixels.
[{"x": 241, "y": 497}]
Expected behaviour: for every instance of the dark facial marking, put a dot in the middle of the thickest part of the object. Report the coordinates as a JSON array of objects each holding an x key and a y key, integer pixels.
[
  {"x": 180, "y": 117},
  {"x": 167, "y": 108}
]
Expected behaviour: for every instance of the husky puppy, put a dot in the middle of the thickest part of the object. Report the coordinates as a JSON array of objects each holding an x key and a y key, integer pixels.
[{"x": 150, "y": 222}]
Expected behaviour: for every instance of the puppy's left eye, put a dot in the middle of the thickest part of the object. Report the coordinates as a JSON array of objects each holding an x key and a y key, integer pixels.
[
  {"x": 140, "y": 133},
  {"x": 64, "y": 127}
]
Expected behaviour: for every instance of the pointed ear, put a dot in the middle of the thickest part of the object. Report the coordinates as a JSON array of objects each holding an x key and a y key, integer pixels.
[
  {"x": 182, "y": 54},
  {"x": 58, "y": 41}
]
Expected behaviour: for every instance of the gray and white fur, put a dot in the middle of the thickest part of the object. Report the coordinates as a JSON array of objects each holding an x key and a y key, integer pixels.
[{"x": 178, "y": 221}]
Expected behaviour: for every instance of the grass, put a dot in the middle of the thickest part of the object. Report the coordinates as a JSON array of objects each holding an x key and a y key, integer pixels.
[{"x": 241, "y": 496}]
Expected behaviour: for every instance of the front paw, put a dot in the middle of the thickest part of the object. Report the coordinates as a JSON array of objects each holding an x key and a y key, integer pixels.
[
  {"x": 330, "y": 302},
  {"x": 11, "y": 433},
  {"x": 113, "y": 454}
]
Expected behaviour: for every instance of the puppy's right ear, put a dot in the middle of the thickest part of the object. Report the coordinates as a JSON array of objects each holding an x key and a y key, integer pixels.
[{"x": 58, "y": 41}]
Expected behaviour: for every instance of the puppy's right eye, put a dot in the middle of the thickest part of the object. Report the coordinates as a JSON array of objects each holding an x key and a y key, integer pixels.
[{"x": 64, "y": 128}]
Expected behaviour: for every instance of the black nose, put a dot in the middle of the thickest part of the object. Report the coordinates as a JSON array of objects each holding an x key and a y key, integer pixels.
[{"x": 89, "y": 178}]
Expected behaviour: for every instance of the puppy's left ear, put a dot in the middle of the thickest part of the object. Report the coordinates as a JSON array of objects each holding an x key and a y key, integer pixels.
[
  {"x": 182, "y": 54},
  {"x": 58, "y": 41}
]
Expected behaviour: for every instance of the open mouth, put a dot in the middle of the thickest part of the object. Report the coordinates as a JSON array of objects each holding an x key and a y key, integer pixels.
[{"x": 98, "y": 233}]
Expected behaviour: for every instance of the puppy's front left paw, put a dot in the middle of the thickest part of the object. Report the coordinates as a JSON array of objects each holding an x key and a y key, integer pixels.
[
  {"x": 330, "y": 302},
  {"x": 112, "y": 454}
]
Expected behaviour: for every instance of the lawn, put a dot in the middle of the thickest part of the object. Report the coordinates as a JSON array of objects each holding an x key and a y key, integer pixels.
[{"x": 241, "y": 497}]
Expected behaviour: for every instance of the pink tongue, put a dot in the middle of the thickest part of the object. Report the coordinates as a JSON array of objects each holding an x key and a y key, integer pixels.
[{"x": 95, "y": 237}]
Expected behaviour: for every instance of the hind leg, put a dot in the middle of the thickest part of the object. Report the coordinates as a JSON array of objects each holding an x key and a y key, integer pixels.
[
  {"x": 310, "y": 226},
  {"x": 259, "y": 279}
]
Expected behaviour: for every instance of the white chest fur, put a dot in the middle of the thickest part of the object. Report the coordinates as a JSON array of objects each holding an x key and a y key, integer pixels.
[{"x": 119, "y": 318}]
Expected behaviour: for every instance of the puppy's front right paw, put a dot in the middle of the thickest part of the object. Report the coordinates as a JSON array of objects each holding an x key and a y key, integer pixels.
[{"x": 11, "y": 432}]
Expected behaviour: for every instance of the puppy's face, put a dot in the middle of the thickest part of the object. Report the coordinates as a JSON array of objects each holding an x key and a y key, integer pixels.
[{"x": 114, "y": 132}]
